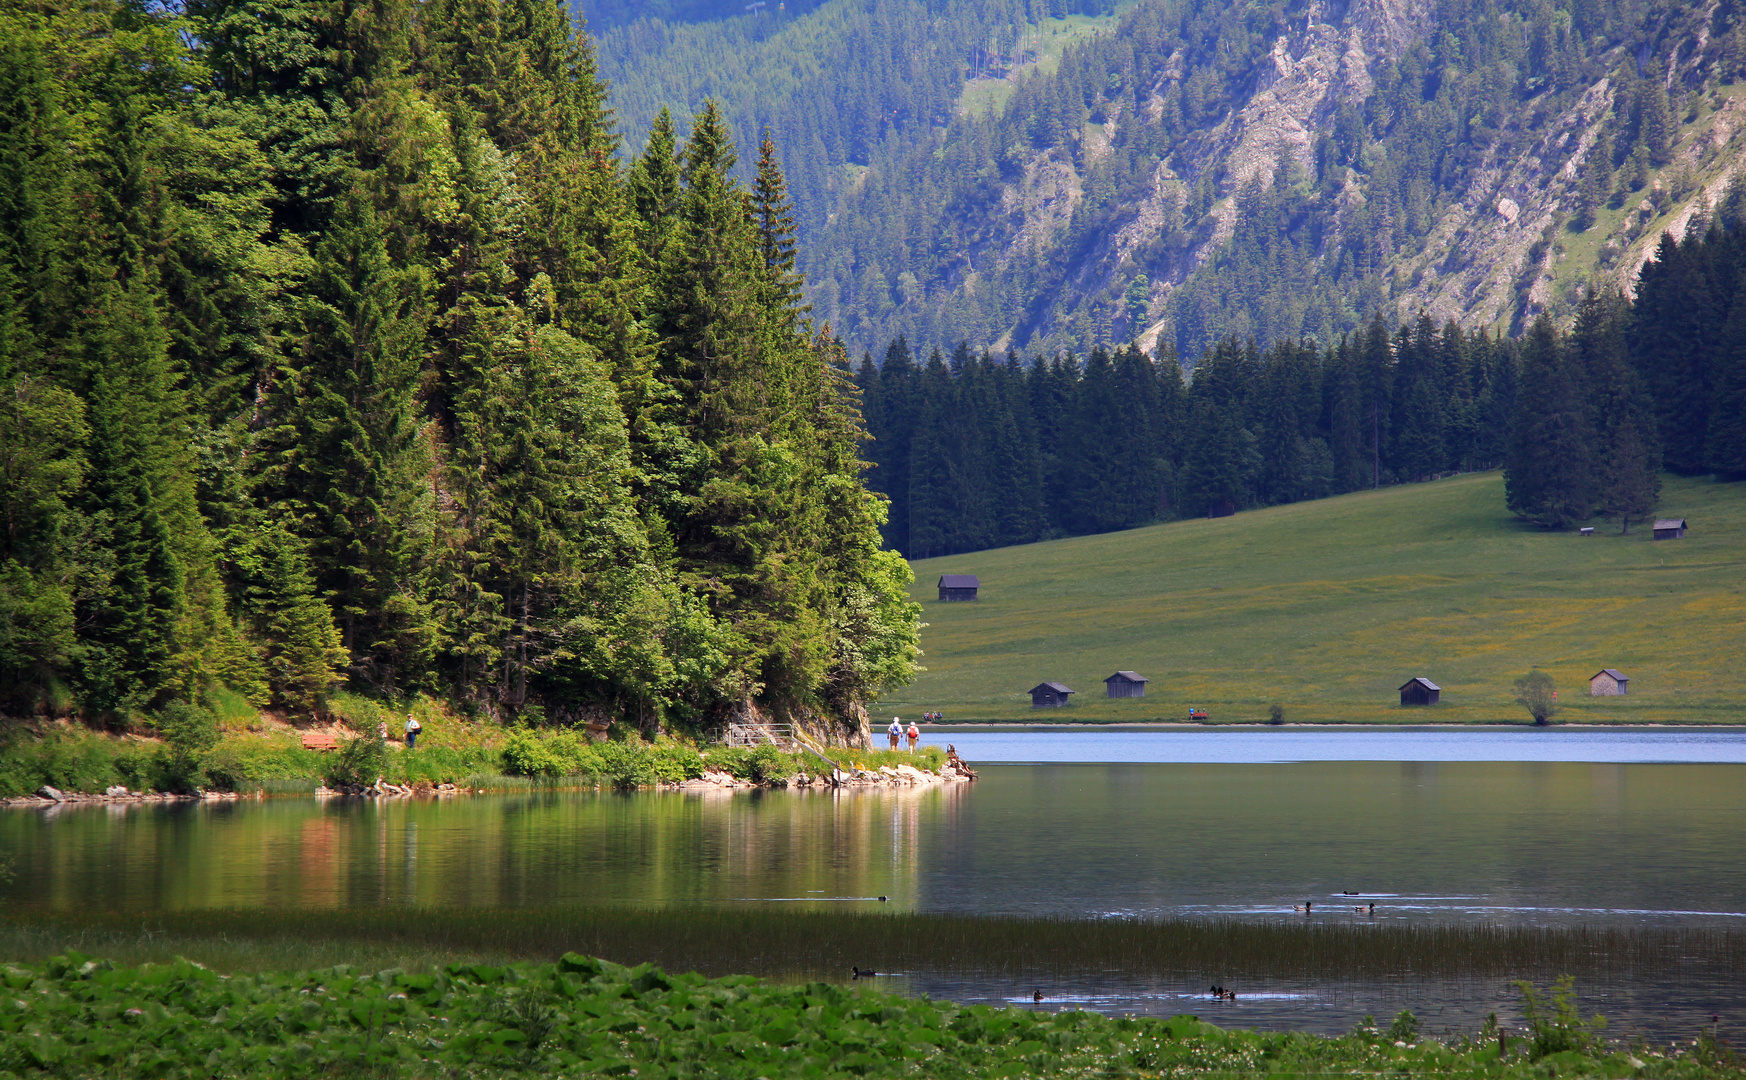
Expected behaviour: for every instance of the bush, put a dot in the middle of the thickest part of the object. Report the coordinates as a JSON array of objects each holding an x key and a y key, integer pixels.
[
  {"x": 1556, "y": 1026},
  {"x": 1276, "y": 714},
  {"x": 360, "y": 762},
  {"x": 363, "y": 715},
  {"x": 70, "y": 761},
  {"x": 626, "y": 764},
  {"x": 1535, "y": 692}
]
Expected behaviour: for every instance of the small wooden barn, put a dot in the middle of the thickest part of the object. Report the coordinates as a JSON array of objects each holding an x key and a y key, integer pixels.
[
  {"x": 1125, "y": 684},
  {"x": 1607, "y": 682},
  {"x": 958, "y": 586},
  {"x": 1049, "y": 695},
  {"x": 1669, "y": 528},
  {"x": 1420, "y": 691}
]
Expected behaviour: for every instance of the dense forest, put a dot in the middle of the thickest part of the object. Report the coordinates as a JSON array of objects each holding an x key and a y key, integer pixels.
[
  {"x": 1312, "y": 245},
  {"x": 976, "y": 451},
  {"x": 1123, "y": 191},
  {"x": 842, "y": 87},
  {"x": 338, "y": 342}
]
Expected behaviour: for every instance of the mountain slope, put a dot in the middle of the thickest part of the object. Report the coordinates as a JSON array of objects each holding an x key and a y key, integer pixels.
[
  {"x": 1198, "y": 168},
  {"x": 1326, "y": 607}
]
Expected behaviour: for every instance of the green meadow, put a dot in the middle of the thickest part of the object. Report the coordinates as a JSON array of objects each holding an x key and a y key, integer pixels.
[{"x": 1325, "y": 608}]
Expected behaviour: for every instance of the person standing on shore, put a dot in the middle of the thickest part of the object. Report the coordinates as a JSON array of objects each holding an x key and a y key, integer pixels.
[
  {"x": 895, "y": 731},
  {"x": 413, "y": 727},
  {"x": 914, "y": 734}
]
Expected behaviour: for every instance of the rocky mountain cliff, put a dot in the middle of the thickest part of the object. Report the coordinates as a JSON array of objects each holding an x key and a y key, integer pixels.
[{"x": 1196, "y": 169}]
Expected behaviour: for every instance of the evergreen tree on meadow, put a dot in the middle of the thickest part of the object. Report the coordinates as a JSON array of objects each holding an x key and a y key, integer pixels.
[
  {"x": 1549, "y": 477},
  {"x": 1725, "y": 441},
  {"x": 1675, "y": 334},
  {"x": 1627, "y": 459}
]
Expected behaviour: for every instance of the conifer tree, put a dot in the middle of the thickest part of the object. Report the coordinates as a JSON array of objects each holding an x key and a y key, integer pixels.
[
  {"x": 1627, "y": 458},
  {"x": 351, "y": 461},
  {"x": 774, "y": 217},
  {"x": 293, "y": 625},
  {"x": 1725, "y": 444},
  {"x": 1549, "y": 477}
]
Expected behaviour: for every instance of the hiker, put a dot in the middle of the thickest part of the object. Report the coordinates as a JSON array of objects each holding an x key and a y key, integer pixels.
[
  {"x": 413, "y": 727},
  {"x": 914, "y": 734},
  {"x": 895, "y": 731},
  {"x": 382, "y": 731}
]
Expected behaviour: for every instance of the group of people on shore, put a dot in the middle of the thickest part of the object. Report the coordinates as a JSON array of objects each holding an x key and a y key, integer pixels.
[
  {"x": 896, "y": 732},
  {"x": 933, "y": 717}
]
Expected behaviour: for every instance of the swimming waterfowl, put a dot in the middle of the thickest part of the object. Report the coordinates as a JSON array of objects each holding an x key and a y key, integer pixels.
[
  {"x": 860, "y": 974},
  {"x": 1304, "y": 907},
  {"x": 1036, "y": 995},
  {"x": 882, "y": 899}
]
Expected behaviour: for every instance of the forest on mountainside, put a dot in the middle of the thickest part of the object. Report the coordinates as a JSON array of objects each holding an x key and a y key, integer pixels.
[
  {"x": 838, "y": 86},
  {"x": 976, "y": 451},
  {"x": 1148, "y": 185},
  {"x": 337, "y": 343},
  {"x": 1311, "y": 250}
]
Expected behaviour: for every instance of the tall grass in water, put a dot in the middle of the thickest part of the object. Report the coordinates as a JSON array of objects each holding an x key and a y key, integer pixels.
[{"x": 794, "y": 942}]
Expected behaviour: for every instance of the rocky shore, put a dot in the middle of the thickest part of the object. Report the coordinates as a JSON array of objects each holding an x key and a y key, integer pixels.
[
  {"x": 48, "y": 796},
  {"x": 953, "y": 771},
  {"x": 382, "y": 789}
]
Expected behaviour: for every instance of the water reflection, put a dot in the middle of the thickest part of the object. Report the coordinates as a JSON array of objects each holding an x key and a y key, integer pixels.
[
  {"x": 1512, "y": 843},
  {"x": 556, "y": 848}
]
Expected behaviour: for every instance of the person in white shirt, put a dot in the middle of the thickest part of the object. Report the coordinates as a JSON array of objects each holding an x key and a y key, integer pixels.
[
  {"x": 413, "y": 727},
  {"x": 895, "y": 731}
]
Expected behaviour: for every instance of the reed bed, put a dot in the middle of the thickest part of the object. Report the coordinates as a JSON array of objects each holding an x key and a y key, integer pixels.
[{"x": 798, "y": 943}]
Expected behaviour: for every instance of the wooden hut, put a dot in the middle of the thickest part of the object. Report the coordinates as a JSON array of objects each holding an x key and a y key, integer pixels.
[
  {"x": 958, "y": 586},
  {"x": 1049, "y": 695},
  {"x": 1607, "y": 682},
  {"x": 1125, "y": 684},
  {"x": 1669, "y": 528},
  {"x": 1420, "y": 691}
]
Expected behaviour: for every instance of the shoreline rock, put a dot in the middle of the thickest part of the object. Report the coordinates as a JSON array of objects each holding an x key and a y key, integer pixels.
[{"x": 892, "y": 776}]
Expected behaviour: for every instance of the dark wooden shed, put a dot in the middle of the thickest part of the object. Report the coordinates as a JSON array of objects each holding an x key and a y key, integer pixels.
[
  {"x": 1125, "y": 684},
  {"x": 1420, "y": 691},
  {"x": 1049, "y": 695},
  {"x": 1669, "y": 528},
  {"x": 958, "y": 586},
  {"x": 1608, "y": 682}
]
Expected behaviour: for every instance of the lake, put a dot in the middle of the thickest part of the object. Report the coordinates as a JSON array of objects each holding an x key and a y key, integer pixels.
[{"x": 1558, "y": 829}]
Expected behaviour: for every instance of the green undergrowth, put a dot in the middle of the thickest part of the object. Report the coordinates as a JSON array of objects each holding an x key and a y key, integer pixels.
[
  {"x": 75, "y": 759},
  {"x": 73, "y": 1016}
]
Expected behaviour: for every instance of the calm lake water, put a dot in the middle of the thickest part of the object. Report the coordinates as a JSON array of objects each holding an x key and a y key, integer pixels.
[{"x": 1549, "y": 828}]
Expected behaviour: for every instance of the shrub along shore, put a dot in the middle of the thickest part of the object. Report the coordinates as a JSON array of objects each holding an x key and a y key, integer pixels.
[
  {"x": 77, "y": 1016},
  {"x": 239, "y": 753}
]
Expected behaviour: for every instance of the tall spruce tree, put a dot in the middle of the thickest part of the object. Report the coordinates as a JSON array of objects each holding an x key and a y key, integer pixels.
[
  {"x": 1549, "y": 477},
  {"x": 351, "y": 461}
]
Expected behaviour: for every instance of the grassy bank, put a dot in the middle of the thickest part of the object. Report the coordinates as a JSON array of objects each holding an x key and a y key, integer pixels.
[
  {"x": 792, "y": 943},
  {"x": 74, "y": 1016},
  {"x": 1326, "y": 607},
  {"x": 273, "y": 761}
]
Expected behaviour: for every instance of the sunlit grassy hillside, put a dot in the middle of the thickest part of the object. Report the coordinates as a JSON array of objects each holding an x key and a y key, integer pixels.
[{"x": 1327, "y": 607}]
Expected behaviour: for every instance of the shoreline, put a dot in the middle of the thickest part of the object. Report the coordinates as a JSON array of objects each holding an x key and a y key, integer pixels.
[{"x": 712, "y": 780}]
